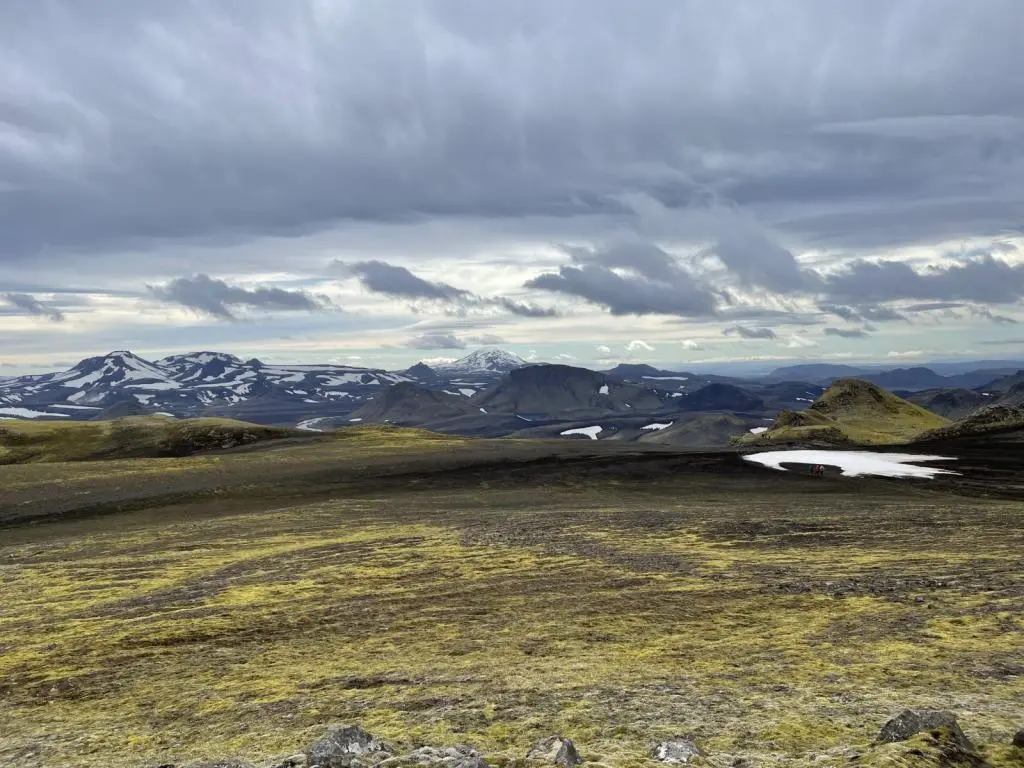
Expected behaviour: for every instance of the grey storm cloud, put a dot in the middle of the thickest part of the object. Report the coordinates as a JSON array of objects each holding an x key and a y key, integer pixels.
[
  {"x": 486, "y": 339},
  {"x": 654, "y": 283},
  {"x": 881, "y": 314},
  {"x": 520, "y": 308},
  {"x": 841, "y": 311},
  {"x": 933, "y": 306},
  {"x": 878, "y": 314},
  {"x": 759, "y": 262},
  {"x": 210, "y": 296},
  {"x": 846, "y": 333},
  {"x": 32, "y": 306},
  {"x": 401, "y": 282},
  {"x": 750, "y": 333},
  {"x": 442, "y": 340},
  {"x": 985, "y": 280},
  {"x": 436, "y": 341},
  {"x": 988, "y": 314},
  {"x": 381, "y": 277},
  {"x": 151, "y": 121}
]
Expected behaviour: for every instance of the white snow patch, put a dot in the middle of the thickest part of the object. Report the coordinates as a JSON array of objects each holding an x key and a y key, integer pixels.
[
  {"x": 483, "y": 410},
  {"x": 144, "y": 399},
  {"x": 854, "y": 463},
  {"x": 165, "y": 413},
  {"x": 355, "y": 419},
  {"x": 25, "y": 413},
  {"x": 467, "y": 392},
  {"x": 603, "y": 390},
  {"x": 677, "y": 394},
  {"x": 591, "y": 432},
  {"x": 81, "y": 381},
  {"x": 309, "y": 425},
  {"x": 523, "y": 418},
  {"x": 75, "y": 397},
  {"x": 659, "y": 425},
  {"x": 758, "y": 430},
  {"x": 161, "y": 385},
  {"x": 76, "y": 407},
  {"x": 666, "y": 378}
]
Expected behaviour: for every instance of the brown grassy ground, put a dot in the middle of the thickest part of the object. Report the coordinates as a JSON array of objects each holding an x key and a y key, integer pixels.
[{"x": 483, "y": 592}]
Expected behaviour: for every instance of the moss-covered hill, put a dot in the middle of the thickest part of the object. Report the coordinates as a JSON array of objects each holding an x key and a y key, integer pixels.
[
  {"x": 131, "y": 437},
  {"x": 851, "y": 411},
  {"x": 989, "y": 420}
]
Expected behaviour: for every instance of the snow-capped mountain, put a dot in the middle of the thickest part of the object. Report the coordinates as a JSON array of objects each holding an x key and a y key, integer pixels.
[
  {"x": 485, "y": 361},
  {"x": 193, "y": 384},
  {"x": 90, "y": 382}
]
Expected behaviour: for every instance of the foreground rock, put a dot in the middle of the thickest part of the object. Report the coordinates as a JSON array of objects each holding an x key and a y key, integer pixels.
[
  {"x": 679, "y": 750},
  {"x": 347, "y": 746},
  {"x": 459, "y": 756},
  {"x": 1018, "y": 739},
  {"x": 909, "y": 723},
  {"x": 555, "y": 749},
  {"x": 295, "y": 761}
]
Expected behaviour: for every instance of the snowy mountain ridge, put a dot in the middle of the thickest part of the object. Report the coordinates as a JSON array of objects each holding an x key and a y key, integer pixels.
[
  {"x": 186, "y": 385},
  {"x": 490, "y": 360}
]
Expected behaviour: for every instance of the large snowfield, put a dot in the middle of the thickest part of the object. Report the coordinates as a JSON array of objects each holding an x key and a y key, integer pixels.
[{"x": 854, "y": 463}]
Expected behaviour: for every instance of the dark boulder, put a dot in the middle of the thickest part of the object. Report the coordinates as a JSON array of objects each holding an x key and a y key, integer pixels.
[
  {"x": 909, "y": 723},
  {"x": 555, "y": 749},
  {"x": 295, "y": 761},
  {"x": 347, "y": 746},
  {"x": 679, "y": 750},
  {"x": 1018, "y": 739}
]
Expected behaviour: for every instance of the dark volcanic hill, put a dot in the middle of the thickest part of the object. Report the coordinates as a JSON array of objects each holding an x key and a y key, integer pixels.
[
  {"x": 407, "y": 404},
  {"x": 705, "y": 430},
  {"x": 722, "y": 397},
  {"x": 546, "y": 391},
  {"x": 911, "y": 379},
  {"x": 636, "y": 371},
  {"x": 421, "y": 372},
  {"x": 1004, "y": 384},
  {"x": 951, "y": 403}
]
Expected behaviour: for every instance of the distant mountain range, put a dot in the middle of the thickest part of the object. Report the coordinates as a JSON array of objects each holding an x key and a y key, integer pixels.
[
  {"x": 489, "y": 392},
  {"x": 908, "y": 379}
]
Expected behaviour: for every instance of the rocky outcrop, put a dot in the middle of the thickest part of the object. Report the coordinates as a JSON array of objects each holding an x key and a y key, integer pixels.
[
  {"x": 347, "y": 746},
  {"x": 295, "y": 761},
  {"x": 678, "y": 751},
  {"x": 459, "y": 756},
  {"x": 556, "y": 750},
  {"x": 911, "y": 739},
  {"x": 909, "y": 723}
]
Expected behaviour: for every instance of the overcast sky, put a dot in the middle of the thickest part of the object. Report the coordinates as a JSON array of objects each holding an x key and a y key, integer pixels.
[{"x": 588, "y": 180}]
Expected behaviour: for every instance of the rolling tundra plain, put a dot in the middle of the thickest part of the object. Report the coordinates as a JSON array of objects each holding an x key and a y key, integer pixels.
[{"x": 444, "y": 590}]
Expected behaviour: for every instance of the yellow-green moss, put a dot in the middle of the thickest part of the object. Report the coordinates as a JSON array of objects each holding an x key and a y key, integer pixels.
[{"x": 440, "y": 617}]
